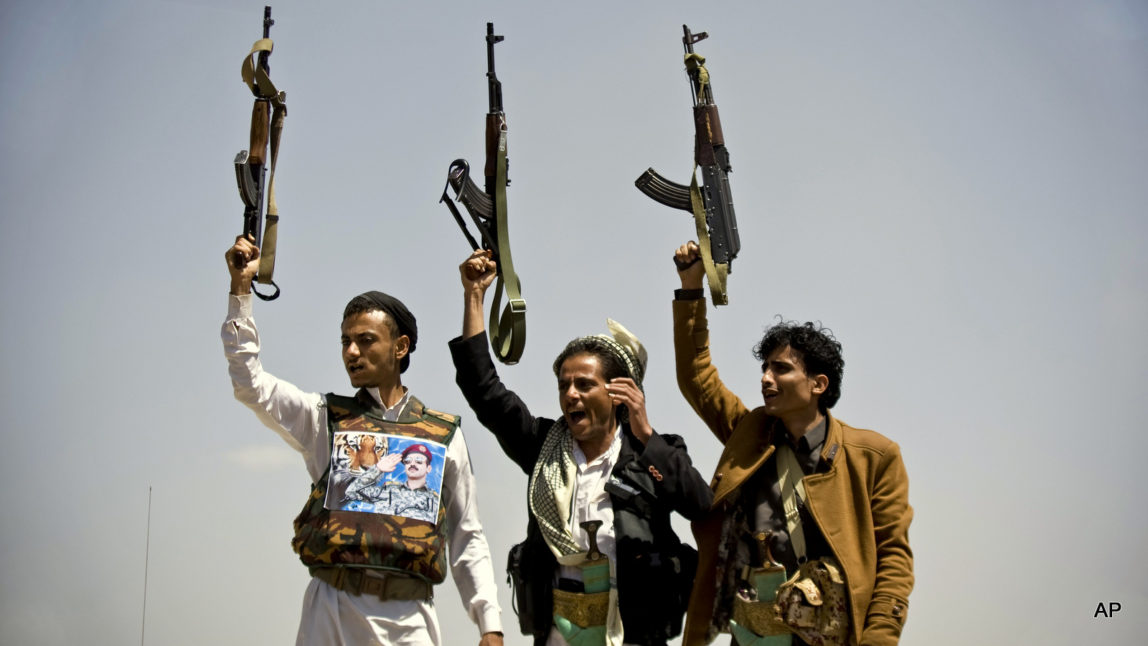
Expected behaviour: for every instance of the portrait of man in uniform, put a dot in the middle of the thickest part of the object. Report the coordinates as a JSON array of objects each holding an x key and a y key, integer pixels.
[
  {"x": 381, "y": 487},
  {"x": 415, "y": 499}
]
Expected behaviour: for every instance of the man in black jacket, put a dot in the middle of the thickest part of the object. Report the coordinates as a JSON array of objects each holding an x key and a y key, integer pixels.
[{"x": 600, "y": 461}]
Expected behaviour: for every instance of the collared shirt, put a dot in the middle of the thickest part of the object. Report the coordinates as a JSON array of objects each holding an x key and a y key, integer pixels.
[
  {"x": 391, "y": 414},
  {"x": 591, "y": 502},
  {"x": 807, "y": 448},
  {"x": 766, "y": 512},
  {"x": 300, "y": 418}
]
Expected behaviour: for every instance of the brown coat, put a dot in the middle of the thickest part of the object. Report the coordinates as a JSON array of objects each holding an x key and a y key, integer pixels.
[{"x": 861, "y": 504}]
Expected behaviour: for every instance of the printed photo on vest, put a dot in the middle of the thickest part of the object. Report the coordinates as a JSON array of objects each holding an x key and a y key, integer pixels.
[{"x": 386, "y": 474}]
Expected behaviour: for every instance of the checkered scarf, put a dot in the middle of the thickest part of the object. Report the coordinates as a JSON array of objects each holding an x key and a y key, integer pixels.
[
  {"x": 552, "y": 489},
  {"x": 623, "y": 344},
  {"x": 551, "y": 498}
]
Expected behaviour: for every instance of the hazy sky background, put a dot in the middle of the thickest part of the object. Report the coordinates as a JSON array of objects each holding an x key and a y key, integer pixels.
[{"x": 957, "y": 189}]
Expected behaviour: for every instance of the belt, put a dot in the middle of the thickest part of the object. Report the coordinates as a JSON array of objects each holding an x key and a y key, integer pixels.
[
  {"x": 583, "y": 610},
  {"x": 388, "y": 587}
]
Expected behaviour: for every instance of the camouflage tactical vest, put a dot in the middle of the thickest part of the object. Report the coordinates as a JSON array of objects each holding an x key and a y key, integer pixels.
[{"x": 326, "y": 537}]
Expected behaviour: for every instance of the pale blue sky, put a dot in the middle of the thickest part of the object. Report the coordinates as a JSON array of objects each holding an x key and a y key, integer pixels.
[{"x": 956, "y": 189}]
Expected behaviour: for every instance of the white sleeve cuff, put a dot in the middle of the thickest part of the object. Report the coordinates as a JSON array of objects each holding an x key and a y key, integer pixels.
[
  {"x": 490, "y": 621},
  {"x": 239, "y": 306}
]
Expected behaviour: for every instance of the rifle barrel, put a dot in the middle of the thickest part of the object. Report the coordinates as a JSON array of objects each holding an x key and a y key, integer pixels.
[
  {"x": 494, "y": 86},
  {"x": 267, "y": 22}
]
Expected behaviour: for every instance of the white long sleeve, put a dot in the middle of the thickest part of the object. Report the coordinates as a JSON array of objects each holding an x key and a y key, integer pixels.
[{"x": 300, "y": 418}]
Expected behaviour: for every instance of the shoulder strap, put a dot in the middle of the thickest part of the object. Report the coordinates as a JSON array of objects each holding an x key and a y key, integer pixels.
[
  {"x": 445, "y": 420},
  {"x": 508, "y": 331},
  {"x": 789, "y": 476},
  {"x": 716, "y": 274},
  {"x": 507, "y": 327}
]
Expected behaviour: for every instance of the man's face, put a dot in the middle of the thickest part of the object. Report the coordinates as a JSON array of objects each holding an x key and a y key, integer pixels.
[
  {"x": 786, "y": 388},
  {"x": 417, "y": 467},
  {"x": 585, "y": 402},
  {"x": 371, "y": 354}
]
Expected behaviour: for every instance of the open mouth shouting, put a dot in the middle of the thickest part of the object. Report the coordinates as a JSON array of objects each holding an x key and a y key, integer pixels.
[{"x": 574, "y": 417}]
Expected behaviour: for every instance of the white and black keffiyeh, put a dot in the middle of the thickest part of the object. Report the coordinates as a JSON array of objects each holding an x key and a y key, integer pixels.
[
  {"x": 552, "y": 489},
  {"x": 628, "y": 348}
]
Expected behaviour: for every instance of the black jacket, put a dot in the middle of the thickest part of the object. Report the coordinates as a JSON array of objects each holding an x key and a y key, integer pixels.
[{"x": 655, "y": 570}]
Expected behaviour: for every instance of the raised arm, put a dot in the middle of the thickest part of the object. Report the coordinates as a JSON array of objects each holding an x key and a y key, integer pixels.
[
  {"x": 242, "y": 263},
  {"x": 477, "y": 273},
  {"x": 498, "y": 409},
  {"x": 698, "y": 379},
  {"x": 292, "y": 413}
]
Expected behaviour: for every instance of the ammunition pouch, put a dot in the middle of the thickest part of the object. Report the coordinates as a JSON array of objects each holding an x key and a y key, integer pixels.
[
  {"x": 814, "y": 605},
  {"x": 521, "y": 586}
]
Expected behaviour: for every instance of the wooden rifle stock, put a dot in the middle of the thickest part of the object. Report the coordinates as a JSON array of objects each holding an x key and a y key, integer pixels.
[
  {"x": 256, "y": 158},
  {"x": 495, "y": 124}
]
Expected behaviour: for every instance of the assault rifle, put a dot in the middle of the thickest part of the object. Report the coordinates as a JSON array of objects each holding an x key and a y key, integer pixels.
[
  {"x": 488, "y": 210},
  {"x": 251, "y": 165},
  {"x": 712, "y": 204}
]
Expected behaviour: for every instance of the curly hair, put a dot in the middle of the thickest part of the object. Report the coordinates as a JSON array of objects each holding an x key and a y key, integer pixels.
[{"x": 818, "y": 349}]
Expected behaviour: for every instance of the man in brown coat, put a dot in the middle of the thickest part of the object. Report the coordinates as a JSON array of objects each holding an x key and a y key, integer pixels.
[{"x": 855, "y": 503}]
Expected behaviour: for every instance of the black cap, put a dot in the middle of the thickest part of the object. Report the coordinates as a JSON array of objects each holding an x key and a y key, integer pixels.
[{"x": 404, "y": 320}]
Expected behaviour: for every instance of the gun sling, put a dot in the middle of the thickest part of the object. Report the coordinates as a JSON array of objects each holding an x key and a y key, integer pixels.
[
  {"x": 261, "y": 86},
  {"x": 507, "y": 331},
  {"x": 716, "y": 274}
]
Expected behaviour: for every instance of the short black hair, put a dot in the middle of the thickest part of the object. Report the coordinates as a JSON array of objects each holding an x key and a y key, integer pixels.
[
  {"x": 365, "y": 303},
  {"x": 361, "y": 303},
  {"x": 818, "y": 349}
]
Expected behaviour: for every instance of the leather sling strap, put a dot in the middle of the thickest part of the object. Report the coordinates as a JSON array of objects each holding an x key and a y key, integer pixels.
[
  {"x": 508, "y": 331},
  {"x": 260, "y": 83},
  {"x": 789, "y": 476},
  {"x": 717, "y": 274}
]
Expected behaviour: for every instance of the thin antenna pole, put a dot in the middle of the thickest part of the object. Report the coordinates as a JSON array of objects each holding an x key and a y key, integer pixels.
[{"x": 147, "y": 552}]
